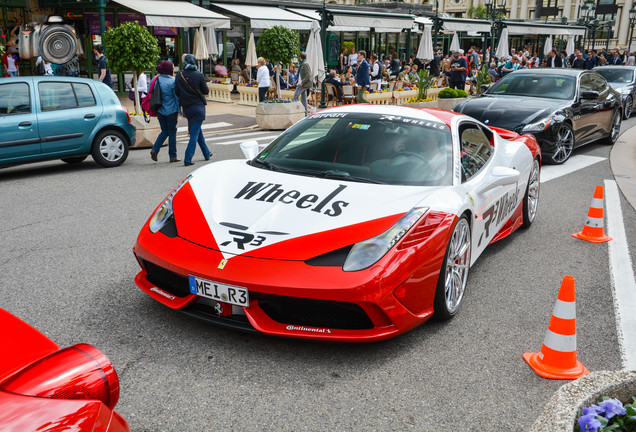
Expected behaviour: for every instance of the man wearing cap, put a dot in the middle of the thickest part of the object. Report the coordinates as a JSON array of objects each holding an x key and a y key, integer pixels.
[{"x": 458, "y": 66}]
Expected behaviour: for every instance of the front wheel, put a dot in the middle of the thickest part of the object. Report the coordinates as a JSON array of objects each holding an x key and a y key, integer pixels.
[
  {"x": 454, "y": 273},
  {"x": 615, "y": 129},
  {"x": 629, "y": 105},
  {"x": 110, "y": 148},
  {"x": 531, "y": 199},
  {"x": 564, "y": 144}
]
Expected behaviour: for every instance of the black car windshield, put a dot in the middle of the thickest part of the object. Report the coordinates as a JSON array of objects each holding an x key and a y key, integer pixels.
[
  {"x": 543, "y": 86},
  {"x": 368, "y": 148},
  {"x": 616, "y": 76}
]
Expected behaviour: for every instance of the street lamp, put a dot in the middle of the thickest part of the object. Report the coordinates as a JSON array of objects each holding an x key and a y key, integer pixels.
[
  {"x": 437, "y": 23},
  {"x": 495, "y": 9},
  {"x": 632, "y": 20}
]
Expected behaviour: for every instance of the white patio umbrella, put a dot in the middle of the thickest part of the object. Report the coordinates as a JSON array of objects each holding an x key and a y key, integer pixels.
[
  {"x": 210, "y": 41},
  {"x": 314, "y": 54},
  {"x": 425, "y": 50},
  {"x": 200, "y": 49},
  {"x": 547, "y": 47},
  {"x": 502, "y": 52},
  {"x": 570, "y": 46},
  {"x": 454, "y": 46},
  {"x": 251, "y": 59}
]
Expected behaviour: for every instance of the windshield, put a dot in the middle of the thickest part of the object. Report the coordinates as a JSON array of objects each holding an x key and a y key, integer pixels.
[
  {"x": 370, "y": 148},
  {"x": 543, "y": 86},
  {"x": 615, "y": 76}
]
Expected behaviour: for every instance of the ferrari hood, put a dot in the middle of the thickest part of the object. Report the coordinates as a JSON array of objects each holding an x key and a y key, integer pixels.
[
  {"x": 509, "y": 112},
  {"x": 243, "y": 210}
]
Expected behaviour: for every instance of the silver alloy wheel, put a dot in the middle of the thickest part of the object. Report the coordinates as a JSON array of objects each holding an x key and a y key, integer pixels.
[
  {"x": 629, "y": 105},
  {"x": 111, "y": 148},
  {"x": 533, "y": 191},
  {"x": 616, "y": 127},
  {"x": 457, "y": 264},
  {"x": 564, "y": 144}
]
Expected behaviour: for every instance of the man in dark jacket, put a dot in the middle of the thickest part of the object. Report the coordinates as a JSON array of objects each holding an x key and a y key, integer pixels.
[
  {"x": 337, "y": 84},
  {"x": 362, "y": 77},
  {"x": 592, "y": 60},
  {"x": 394, "y": 65},
  {"x": 578, "y": 62},
  {"x": 553, "y": 60},
  {"x": 458, "y": 66},
  {"x": 304, "y": 82},
  {"x": 435, "y": 63}
]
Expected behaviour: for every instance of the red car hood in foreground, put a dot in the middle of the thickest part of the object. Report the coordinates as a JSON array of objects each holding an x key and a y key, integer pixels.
[{"x": 242, "y": 210}]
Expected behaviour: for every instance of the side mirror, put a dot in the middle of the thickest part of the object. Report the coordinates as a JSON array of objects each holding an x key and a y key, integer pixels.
[
  {"x": 501, "y": 176},
  {"x": 589, "y": 95},
  {"x": 484, "y": 87},
  {"x": 249, "y": 149}
]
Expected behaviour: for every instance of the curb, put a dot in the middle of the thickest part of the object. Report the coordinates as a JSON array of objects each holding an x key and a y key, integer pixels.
[{"x": 559, "y": 413}]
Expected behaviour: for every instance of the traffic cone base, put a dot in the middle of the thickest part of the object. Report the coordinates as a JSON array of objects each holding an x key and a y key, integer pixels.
[
  {"x": 593, "y": 228},
  {"x": 534, "y": 361},
  {"x": 594, "y": 239}
]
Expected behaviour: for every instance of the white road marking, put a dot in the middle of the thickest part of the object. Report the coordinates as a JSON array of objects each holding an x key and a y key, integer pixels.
[
  {"x": 206, "y": 126},
  {"x": 575, "y": 163},
  {"x": 623, "y": 283}
]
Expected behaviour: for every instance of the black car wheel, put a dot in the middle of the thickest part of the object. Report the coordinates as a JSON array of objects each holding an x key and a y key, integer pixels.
[
  {"x": 615, "y": 130},
  {"x": 531, "y": 200},
  {"x": 74, "y": 159},
  {"x": 564, "y": 144},
  {"x": 110, "y": 148},
  {"x": 629, "y": 105},
  {"x": 454, "y": 273}
]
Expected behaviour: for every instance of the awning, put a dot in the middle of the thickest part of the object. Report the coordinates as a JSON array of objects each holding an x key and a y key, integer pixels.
[
  {"x": 466, "y": 25},
  {"x": 264, "y": 17},
  {"x": 424, "y": 21},
  {"x": 385, "y": 22},
  {"x": 543, "y": 29},
  {"x": 313, "y": 14},
  {"x": 166, "y": 13}
]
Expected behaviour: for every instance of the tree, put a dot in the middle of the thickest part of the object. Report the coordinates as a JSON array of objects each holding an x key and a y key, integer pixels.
[
  {"x": 131, "y": 47},
  {"x": 478, "y": 12},
  {"x": 279, "y": 45}
]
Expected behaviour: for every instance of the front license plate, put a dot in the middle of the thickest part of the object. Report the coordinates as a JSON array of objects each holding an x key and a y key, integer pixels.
[{"x": 219, "y": 292}]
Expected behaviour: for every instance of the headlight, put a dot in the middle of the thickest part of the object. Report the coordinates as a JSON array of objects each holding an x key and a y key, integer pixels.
[
  {"x": 366, "y": 253},
  {"x": 164, "y": 212},
  {"x": 539, "y": 126}
]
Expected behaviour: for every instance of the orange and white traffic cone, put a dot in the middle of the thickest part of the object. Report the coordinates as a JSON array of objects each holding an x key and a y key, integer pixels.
[
  {"x": 557, "y": 359},
  {"x": 593, "y": 228}
]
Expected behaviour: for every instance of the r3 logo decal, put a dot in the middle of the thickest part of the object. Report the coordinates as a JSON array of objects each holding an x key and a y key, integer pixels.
[{"x": 243, "y": 238}]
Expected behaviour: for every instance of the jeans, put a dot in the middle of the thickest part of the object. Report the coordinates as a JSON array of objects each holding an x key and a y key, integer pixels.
[
  {"x": 457, "y": 85},
  {"x": 196, "y": 135},
  {"x": 168, "y": 130},
  {"x": 302, "y": 92},
  {"x": 13, "y": 73},
  {"x": 262, "y": 92}
]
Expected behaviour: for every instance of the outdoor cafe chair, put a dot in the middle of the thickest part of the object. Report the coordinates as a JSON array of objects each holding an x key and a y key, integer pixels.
[{"x": 348, "y": 93}]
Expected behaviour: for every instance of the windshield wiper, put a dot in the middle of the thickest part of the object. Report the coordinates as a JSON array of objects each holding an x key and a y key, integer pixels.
[
  {"x": 343, "y": 175},
  {"x": 268, "y": 165}
]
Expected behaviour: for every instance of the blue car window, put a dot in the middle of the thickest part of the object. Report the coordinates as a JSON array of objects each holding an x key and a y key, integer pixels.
[
  {"x": 56, "y": 96},
  {"x": 84, "y": 94},
  {"x": 14, "y": 99}
]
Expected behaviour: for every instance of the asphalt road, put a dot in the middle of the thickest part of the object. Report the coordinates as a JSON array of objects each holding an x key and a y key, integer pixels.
[{"x": 67, "y": 268}]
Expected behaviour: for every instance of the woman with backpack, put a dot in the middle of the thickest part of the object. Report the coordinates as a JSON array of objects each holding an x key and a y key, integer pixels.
[
  {"x": 190, "y": 88},
  {"x": 168, "y": 113}
]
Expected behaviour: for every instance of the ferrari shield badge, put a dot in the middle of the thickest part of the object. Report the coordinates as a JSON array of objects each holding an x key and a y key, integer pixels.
[{"x": 222, "y": 264}]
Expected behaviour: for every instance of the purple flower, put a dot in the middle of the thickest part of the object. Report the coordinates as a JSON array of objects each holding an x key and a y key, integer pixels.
[
  {"x": 594, "y": 409},
  {"x": 589, "y": 423},
  {"x": 612, "y": 408}
]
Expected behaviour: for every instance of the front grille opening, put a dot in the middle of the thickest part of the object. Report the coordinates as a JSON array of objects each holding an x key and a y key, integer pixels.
[
  {"x": 334, "y": 258},
  {"x": 316, "y": 313},
  {"x": 167, "y": 280}
]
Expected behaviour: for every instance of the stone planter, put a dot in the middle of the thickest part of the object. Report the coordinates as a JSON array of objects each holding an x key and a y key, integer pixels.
[
  {"x": 248, "y": 95},
  {"x": 449, "y": 104},
  {"x": 400, "y": 97},
  {"x": 379, "y": 98},
  {"x": 220, "y": 92},
  {"x": 273, "y": 116},
  {"x": 287, "y": 94},
  {"x": 559, "y": 414},
  {"x": 147, "y": 133}
]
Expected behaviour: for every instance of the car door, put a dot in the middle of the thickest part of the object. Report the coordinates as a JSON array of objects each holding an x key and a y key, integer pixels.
[
  {"x": 493, "y": 206},
  {"x": 585, "y": 119},
  {"x": 18, "y": 123},
  {"x": 68, "y": 115},
  {"x": 606, "y": 103}
]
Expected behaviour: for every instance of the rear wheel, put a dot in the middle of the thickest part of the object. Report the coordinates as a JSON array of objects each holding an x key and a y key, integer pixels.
[
  {"x": 629, "y": 106},
  {"x": 531, "y": 200},
  {"x": 74, "y": 159},
  {"x": 454, "y": 273},
  {"x": 615, "y": 129},
  {"x": 564, "y": 144},
  {"x": 110, "y": 148}
]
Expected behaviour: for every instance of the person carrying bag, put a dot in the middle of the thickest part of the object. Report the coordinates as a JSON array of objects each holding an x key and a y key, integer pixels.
[{"x": 167, "y": 111}]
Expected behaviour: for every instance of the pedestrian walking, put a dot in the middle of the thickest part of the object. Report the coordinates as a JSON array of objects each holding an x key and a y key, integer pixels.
[
  {"x": 304, "y": 81},
  {"x": 362, "y": 77},
  {"x": 168, "y": 113},
  {"x": 103, "y": 73},
  {"x": 190, "y": 86},
  {"x": 262, "y": 77}
]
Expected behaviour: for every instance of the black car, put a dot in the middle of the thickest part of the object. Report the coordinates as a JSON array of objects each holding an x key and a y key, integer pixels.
[
  {"x": 562, "y": 108},
  {"x": 623, "y": 80}
]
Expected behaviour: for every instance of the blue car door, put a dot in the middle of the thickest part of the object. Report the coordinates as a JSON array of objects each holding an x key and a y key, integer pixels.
[
  {"x": 68, "y": 115},
  {"x": 19, "y": 137}
]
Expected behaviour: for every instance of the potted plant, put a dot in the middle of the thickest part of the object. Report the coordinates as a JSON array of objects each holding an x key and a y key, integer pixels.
[
  {"x": 420, "y": 98},
  {"x": 482, "y": 78},
  {"x": 279, "y": 114},
  {"x": 447, "y": 98}
]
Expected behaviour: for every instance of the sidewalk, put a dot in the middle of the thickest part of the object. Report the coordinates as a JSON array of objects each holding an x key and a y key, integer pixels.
[{"x": 623, "y": 164}]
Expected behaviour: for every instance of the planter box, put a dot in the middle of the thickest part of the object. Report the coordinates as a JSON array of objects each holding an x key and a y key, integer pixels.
[
  {"x": 287, "y": 94},
  {"x": 147, "y": 133},
  {"x": 449, "y": 104},
  {"x": 379, "y": 98},
  {"x": 220, "y": 92},
  {"x": 401, "y": 97},
  {"x": 274, "y": 116},
  {"x": 248, "y": 95}
]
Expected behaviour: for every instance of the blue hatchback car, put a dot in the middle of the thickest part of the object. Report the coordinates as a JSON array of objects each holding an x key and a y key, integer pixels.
[{"x": 48, "y": 117}]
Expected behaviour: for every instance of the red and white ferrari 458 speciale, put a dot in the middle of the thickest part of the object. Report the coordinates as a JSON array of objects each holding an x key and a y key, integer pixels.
[{"x": 356, "y": 224}]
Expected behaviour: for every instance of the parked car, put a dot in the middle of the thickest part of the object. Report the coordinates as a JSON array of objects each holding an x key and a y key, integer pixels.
[
  {"x": 49, "y": 117},
  {"x": 623, "y": 80},
  {"x": 45, "y": 388},
  {"x": 356, "y": 224},
  {"x": 562, "y": 108}
]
